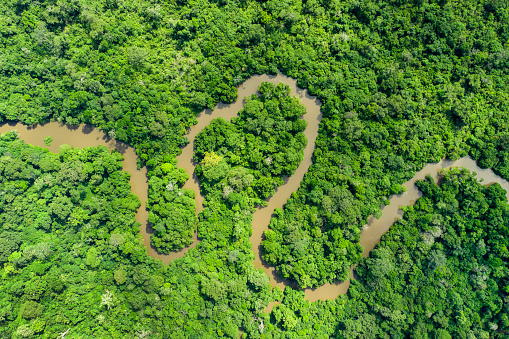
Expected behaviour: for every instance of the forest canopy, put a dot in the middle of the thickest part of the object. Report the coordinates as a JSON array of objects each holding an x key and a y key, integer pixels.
[
  {"x": 71, "y": 254},
  {"x": 441, "y": 271},
  {"x": 172, "y": 209},
  {"x": 402, "y": 83},
  {"x": 257, "y": 148}
]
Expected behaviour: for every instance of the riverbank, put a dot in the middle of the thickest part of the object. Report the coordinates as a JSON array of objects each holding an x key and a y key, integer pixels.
[{"x": 87, "y": 136}]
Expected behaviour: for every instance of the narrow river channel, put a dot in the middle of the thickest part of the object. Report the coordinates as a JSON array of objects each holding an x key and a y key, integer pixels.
[{"x": 87, "y": 136}]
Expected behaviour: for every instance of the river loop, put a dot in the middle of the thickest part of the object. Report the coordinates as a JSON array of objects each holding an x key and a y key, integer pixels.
[{"x": 88, "y": 136}]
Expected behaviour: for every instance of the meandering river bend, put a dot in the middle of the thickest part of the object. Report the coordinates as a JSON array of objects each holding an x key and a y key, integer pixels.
[{"x": 87, "y": 136}]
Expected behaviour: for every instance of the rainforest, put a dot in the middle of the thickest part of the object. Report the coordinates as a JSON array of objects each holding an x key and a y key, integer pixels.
[{"x": 254, "y": 169}]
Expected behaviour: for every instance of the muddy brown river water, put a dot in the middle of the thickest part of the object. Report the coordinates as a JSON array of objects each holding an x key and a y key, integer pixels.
[{"x": 86, "y": 136}]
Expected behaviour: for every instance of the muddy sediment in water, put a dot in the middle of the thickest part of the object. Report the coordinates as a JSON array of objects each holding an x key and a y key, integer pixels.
[
  {"x": 373, "y": 231},
  {"x": 262, "y": 216},
  {"x": 87, "y": 136}
]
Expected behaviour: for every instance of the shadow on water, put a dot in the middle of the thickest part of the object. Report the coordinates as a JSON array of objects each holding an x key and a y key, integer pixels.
[
  {"x": 87, "y": 129},
  {"x": 70, "y": 127},
  {"x": 9, "y": 123}
]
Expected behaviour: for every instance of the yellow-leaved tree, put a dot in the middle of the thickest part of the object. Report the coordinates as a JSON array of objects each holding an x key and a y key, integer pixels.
[{"x": 211, "y": 159}]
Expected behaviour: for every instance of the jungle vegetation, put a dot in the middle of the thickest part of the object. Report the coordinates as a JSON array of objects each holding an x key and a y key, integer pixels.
[
  {"x": 402, "y": 83},
  {"x": 70, "y": 251},
  {"x": 439, "y": 272},
  {"x": 73, "y": 260},
  {"x": 255, "y": 149},
  {"x": 172, "y": 209}
]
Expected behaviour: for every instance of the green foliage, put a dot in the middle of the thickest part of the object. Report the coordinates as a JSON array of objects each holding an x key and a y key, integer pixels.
[
  {"x": 401, "y": 84},
  {"x": 72, "y": 258},
  {"x": 48, "y": 140},
  {"x": 66, "y": 239},
  {"x": 172, "y": 209},
  {"x": 253, "y": 151},
  {"x": 392, "y": 100},
  {"x": 440, "y": 271},
  {"x": 31, "y": 310}
]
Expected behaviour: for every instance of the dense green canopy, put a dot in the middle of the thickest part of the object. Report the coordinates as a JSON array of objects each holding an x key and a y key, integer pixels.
[
  {"x": 256, "y": 148},
  {"x": 402, "y": 83}
]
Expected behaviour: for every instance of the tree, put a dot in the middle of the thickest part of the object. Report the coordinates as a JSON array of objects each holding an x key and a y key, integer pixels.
[{"x": 31, "y": 309}]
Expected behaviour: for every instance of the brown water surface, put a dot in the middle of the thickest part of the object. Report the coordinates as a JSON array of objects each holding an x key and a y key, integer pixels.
[
  {"x": 262, "y": 216},
  {"x": 86, "y": 136},
  {"x": 373, "y": 231}
]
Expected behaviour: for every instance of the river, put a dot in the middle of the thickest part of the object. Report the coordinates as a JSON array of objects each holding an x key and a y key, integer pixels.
[{"x": 87, "y": 136}]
